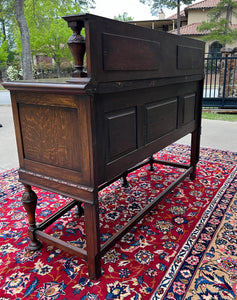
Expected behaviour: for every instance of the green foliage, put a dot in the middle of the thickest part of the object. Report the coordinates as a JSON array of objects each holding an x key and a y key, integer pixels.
[
  {"x": 6, "y": 27},
  {"x": 14, "y": 73},
  {"x": 7, "y": 21},
  {"x": 156, "y": 5},
  {"x": 218, "y": 27},
  {"x": 3, "y": 51},
  {"x": 46, "y": 70},
  {"x": 48, "y": 31},
  {"x": 218, "y": 31},
  {"x": 124, "y": 17},
  {"x": 222, "y": 9},
  {"x": 219, "y": 116}
]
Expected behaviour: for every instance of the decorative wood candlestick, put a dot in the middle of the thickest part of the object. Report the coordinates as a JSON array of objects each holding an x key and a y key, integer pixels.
[{"x": 77, "y": 46}]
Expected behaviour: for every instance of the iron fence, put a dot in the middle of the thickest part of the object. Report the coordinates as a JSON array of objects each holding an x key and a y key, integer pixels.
[{"x": 220, "y": 83}]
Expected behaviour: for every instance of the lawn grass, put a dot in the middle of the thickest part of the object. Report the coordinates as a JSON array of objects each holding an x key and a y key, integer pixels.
[
  {"x": 1, "y": 88},
  {"x": 222, "y": 117}
]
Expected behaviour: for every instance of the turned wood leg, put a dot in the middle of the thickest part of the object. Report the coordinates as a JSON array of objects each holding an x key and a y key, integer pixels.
[
  {"x": 93, "y": 240},
  {"x": 29, "y": 201},
  {"x": 151, "y": 161},
  {"x": 124, "y": 180},
  {"x": 79, "y": 209},
  {"x": 195, "y": 148}
]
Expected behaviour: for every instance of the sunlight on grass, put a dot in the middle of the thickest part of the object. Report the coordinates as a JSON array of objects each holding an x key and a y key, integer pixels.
[{"x": 222, "y": 117}]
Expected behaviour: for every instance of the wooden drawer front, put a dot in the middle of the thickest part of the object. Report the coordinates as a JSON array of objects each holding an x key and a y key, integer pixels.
[
  {"x": 160, "y": 119},
  {"x": 121, "y": 133}
]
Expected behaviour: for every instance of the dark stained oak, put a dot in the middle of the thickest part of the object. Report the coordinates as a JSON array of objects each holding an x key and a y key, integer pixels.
[{"x": 141, "y": 91}]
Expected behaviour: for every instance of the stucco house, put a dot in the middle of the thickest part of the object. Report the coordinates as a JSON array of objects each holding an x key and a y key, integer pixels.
[
  {"x": 191, "y": 17},
  {"x": 162, "y": 23},
  {"x": 197, "y": 13}
]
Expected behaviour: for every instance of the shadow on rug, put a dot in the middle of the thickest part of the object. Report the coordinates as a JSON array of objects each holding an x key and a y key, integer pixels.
[{"x": 186, "y": 248}]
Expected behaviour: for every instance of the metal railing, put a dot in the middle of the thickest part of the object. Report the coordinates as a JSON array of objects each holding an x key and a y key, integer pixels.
[{"x": 220, "y": 83}]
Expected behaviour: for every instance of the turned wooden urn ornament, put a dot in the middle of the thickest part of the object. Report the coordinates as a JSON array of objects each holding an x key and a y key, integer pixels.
[{"x": 77, "y": 46}]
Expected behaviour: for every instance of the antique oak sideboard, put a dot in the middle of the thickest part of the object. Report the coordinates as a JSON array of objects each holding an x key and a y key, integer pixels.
[{"x": 139, "y": 91}]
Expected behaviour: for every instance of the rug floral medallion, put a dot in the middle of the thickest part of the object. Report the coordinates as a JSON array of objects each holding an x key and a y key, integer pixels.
[{"x": 185, "y": 248}]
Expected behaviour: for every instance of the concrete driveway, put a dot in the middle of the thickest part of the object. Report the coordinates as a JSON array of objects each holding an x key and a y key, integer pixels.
[
  {"x": 215, "y": 134},
  {"x": 5, "y": 98}
]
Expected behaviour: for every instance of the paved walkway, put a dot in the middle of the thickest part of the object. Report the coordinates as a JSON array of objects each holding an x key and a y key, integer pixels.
[
  {"x": 215, "y": 134},
  {"x": 4, "y": 97}
]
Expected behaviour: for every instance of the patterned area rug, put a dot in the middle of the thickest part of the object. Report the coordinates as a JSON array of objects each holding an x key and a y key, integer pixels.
[{"x": 186, "y": 248}]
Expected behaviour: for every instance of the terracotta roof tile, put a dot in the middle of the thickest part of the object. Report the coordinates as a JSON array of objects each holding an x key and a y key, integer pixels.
[
  {"x": 199, "y": 5},
  {"x": 190, "y": 29},
  {"x": 203, "y": 4},
  {"x": 182, "y": 14}
]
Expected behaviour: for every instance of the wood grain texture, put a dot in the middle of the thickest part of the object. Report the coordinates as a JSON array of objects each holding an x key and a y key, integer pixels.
[
  {"x": 122, "y": 53},
  {"x": 52, "y": 148}
]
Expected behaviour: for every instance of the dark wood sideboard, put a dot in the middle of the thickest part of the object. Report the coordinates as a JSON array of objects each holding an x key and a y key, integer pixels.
[{"x": 141, "y": 91}]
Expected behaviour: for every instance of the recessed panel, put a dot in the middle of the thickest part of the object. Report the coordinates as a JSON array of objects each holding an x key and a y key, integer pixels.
[
  {"x": 50, "y": 135},
  {"x": 123, "y": 53},
  {"x": 122, "y": 133},
  {"x": 189, "y": 108},
  {"x": 189, "y": 58},
  {"x": 161, "y": 118}
]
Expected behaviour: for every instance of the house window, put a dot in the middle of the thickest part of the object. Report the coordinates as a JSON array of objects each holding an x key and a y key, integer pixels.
[{"x": 215, "y": 48}]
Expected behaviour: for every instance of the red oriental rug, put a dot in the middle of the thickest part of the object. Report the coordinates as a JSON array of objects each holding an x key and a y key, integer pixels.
[{"x": 186, "y": 248}]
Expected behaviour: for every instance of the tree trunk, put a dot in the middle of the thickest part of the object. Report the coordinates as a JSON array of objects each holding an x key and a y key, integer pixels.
[
  {"x": 178, "y": 17},
  {"x": 3, "y": 28},
  {"x": 25, "y": 40},
  {"x": 228, "y": 10},
  {"x": 58, "y": 69},
  {"x": 57, "y": 65}
]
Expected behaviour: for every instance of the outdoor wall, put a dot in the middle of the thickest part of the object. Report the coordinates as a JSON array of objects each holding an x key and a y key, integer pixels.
[
  {"x": 233, "y": 18},
  {"x": 197, "y": 16}
]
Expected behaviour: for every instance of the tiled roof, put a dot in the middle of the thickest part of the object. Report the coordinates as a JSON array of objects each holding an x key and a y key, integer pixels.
[
  {"x": 190, "y": 29},
  {"x": 199, "y": 5},
  {"x": 182, "y": 14},
  {"x": 203, "y": 4}
]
